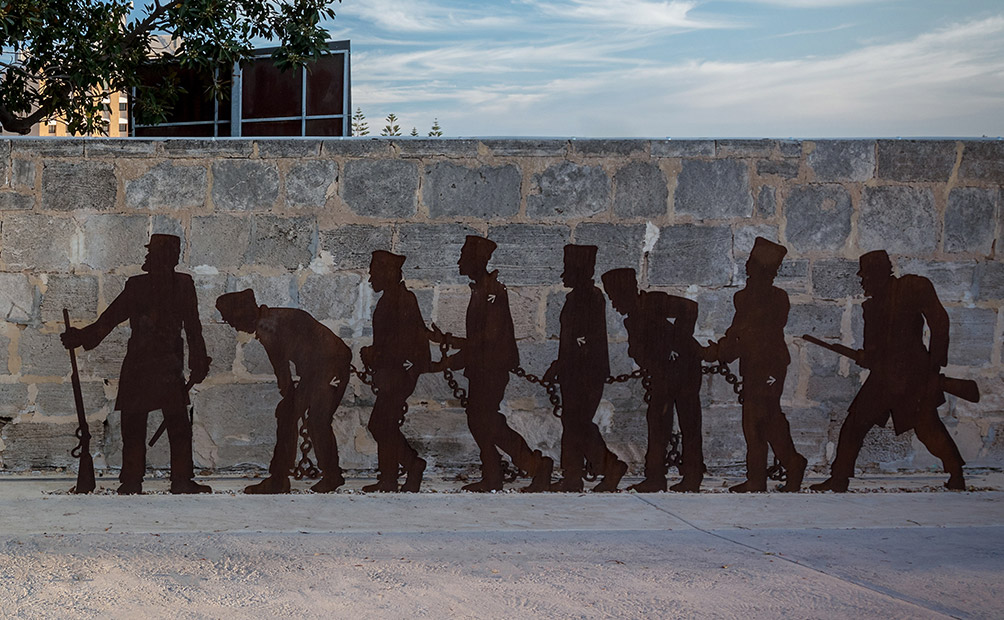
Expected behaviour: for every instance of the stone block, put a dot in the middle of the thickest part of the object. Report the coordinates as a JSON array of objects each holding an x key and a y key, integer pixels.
[
  {"x": 331, "y": 296},
  {"x": 288, "y": 148},
  {"x": 883, "y": 450},
  {"x": 274, "y": 291},
  {"x": 535, "y": 358},
  {"x": 23, "y": 173},
  {"x": 356, "y": 147},
  {"x": 207, "y": 288},
  {"x": 381, "y": 187},
  {"x": 441, "y": 436},
  {"x": 4, "y": 361},
  {"x": 221, "y": 345},
  {"x": 352, "y": 246},
  {"x": 255, "y": 359},
  {"x": 952, "y": 280},
  {"x": 569, "y": 190},
  {"x": 819, "y": 320},
  {"x": 834, "y": 389},
  {"x": 17, "y": 298},
  {"x": 432, "y": 251},
  {"x": 526, "y": 147},
  {"x": 436, "y": 147},
  {"x": 528, "y": 254},
  {"x": 220, "y": 241},
  {"x": 42, "y": 354},
  {"x": 244, "y": 185},
  {"x": 241, "y": 429},
  {"x": 784, "y": 168},
  {"x": 201, "y": 148},
  {"x": 898, "y": 219},
  {"x": 744, "y": 236},
  {"x": 43, "y": 445},
  {"x": 13, "y": 201},
  {"x": 970, "y": 220},
  {"x": 842, "y": 160},
  {"x": 687, "y": 254},
  {"x": 115, "y": 241},
  {"x": 288, "y": 242},
  {"x": 168, "y": 186},
  {"x": 618, "y": 245},
  {"x": 723, "y": 446},
  {"x": 766, "y": 201},
  {"x": 683, "y": 148},
  {"x": 990, "y": 281},
  {"x": 13, "y": 400},
  {"x": 790, "y": 148},
  {"x": 983, "y": 161},
  {"x": 56, "y": 400},
  {"x": 609, "y": 148},
  {"x": 835, "y": 278},
  {"x": 161, "y": 224},
  {"x": 640, "y": 191},
  {"x": 487, "y": 192},
  {"x": 76, "y": 293},
  {"x": 971, "y": 336},
  {"x": 916, "y": 160},
  {"x": 308, "y": 183},
  {"x": 818, "y": 217},
  {"x": 48, "y": 147},
  {"x": 42, "y": 242},
  {"x": 761, "y": 147},
  {"x": 119, "y": 147},
  {"x": 714, "y": 313},
  {"x": 81, "y": 185},
  {"x": 714, "y": 189}
]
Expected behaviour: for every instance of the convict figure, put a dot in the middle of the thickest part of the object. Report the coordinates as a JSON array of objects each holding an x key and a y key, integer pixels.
[
  {"x": 661, "y": 341},
  {"x": 398, "y": 355},
  {"x": 904, "y": 379},
  {"x": 322, "y": 362},
  {"x": 756, "y": 338},
  {"x": 581, "y": 370},
  {"x": 487, "y": 354},
  {"x": 158, "y": 306}
]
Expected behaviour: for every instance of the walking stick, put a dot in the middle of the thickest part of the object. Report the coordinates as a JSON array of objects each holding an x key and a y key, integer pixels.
[{"x": 85, "y": 469}]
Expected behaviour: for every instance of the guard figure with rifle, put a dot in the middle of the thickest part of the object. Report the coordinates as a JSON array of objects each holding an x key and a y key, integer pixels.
[
  {"x": 661, "y": 341},
  {"x": 322, "y": 361},
  {"x": 904, "y": 379},
  {"x": 581, "y": 370},
  {"x": 487, "y": 354},
  {"x": 158, "y": 305},
  {"x": 398, "y": 355},
  {"x": 756, "y": 338}
]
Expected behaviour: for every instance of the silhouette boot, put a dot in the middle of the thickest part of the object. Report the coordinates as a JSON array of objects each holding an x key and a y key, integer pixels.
[
  {"x": 414, "y": 479},
  {"x": 269, "y": 486},
  {"x": 542, "y": 470},
  {"x": 611, "y": 477},
  {"x": 793, "y": 481},
  {"x": 837, "y": 485}
]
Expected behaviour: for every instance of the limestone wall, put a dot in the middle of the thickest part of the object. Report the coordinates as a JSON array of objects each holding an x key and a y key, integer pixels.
[{"x": 296, "y": 220}]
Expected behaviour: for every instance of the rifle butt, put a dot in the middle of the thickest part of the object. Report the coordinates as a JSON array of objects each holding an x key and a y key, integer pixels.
[
  {"x": 85, "y": 473},
  {"x": 966, "y": 389}
]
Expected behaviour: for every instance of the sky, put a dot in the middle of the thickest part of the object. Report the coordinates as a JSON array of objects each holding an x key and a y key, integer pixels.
[{"x": 679, "y": 69}]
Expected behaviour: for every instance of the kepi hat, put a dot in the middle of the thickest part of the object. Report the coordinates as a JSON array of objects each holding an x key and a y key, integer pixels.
[{"x": 768, "y": 253}]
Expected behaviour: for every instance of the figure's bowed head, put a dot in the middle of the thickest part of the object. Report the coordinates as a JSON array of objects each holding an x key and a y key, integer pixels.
[
  {"x": 239, "y": 310},
  {"x": 875, "y": 271},
  {"x": 580, "y": 261},
  {"x": 621, "y": 286},
  {"x": 385, "y": 270}
]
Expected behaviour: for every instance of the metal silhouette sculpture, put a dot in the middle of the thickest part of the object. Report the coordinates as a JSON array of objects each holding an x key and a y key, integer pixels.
[
  {"x": 398, "y": 355},
  {"x": 756, "y": 338},
  {"x": 322, "y": 361},
  {"x": 904, "y": 380},
  {"x": 486, "y": 355},
  {"x": 661, "y": 341},
  {"x": 158, "y": 306},
  {"x": 581, "y": 370},
  {"x": 85, "y": 468}
]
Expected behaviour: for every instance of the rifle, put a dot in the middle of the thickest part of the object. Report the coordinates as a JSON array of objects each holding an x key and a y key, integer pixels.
[
  {"x": 966, "y": 389},
  {"x": 85, "y": 470},
  {"x": 191, "y": 414}
]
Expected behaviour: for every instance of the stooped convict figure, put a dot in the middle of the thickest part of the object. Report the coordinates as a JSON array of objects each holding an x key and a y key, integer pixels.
[
  {"x": 398, "y": 355},
  {"x": 581, "y": 370},
  {"x": 661, "y": 341},
  {"x": 756, "y": 338},
  {"x": 486, "y": 355},
  {"x": 322, "y": 361},
  {"x": 158, "y": 306},
  {"x": 904, "y": 375}
]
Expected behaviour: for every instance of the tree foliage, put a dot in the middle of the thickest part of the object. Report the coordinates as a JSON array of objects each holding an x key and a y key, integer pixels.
[
  {"x": 392, "y": 128},
  {"x": 58, "y": 58},
  {"x": 359, "y": 125},
  {"x": 436, "y": 130}
]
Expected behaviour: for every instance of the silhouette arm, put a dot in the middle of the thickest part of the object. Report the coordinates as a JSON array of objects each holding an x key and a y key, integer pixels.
[
  {"x": 115, "y": 314},
  {"x": 198, "y": 360},
  {"x": 938, "y": 322}
]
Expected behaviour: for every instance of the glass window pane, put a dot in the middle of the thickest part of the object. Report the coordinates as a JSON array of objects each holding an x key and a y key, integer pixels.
[
  {"x": 271, "y": 128},
  {"x": 325, "y": 82},
  {"x": 184, "y": 131},
  {"x": 267, "y": 92},
  {"x": 324, "y": 127}
]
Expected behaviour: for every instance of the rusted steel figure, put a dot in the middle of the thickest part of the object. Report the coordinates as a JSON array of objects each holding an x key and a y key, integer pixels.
[
  {"x": 756, "y": 338},
  {"x": 487, "y": 354},
  {"x": 581, "y": 370},
  {"x": 158, "y": 306},
  {"x": 661, "y": 341},
  {"x": 398, "y": 355},
  {"x": 322, "y": 361},
  {"x": 904, "y": 379}
]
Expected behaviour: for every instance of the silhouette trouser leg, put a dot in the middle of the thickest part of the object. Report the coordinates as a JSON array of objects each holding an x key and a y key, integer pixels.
[
  {"x": 932, "y": 432},
  {"x": 323, "y": 401},
  {"x": 179, "y": 433},
  {"x": 134, "y": 447},
  {"x": 688, "y": 408},
  {"x": 658, "y": 416},
  {"x": 392, "y": 446},
  {"x": 489, "y": 427},
  {"x": 591, "y": 443},
  {"x": 286, "y": 419}
]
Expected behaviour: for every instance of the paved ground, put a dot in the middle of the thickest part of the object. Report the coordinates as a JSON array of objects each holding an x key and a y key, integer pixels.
[{"x": 881, "y": 552}]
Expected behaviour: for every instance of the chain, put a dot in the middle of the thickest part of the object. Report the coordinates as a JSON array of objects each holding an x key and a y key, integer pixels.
[
  {"x": 305, "y": 468},
  {"x": 510, "y": 472},
  {"x": 721, "y": 368},
  {"x": 551, "y": 387},
  {"x": 458, "y": 392},
  {"x": 777, "y": 471}
]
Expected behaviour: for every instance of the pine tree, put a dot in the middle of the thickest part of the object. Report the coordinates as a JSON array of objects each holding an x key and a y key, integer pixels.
[
  {"x": 359, "y": 125},
  {"x": 392, "y": 128},
  {"x": 414, "y": 131},
  {"x": 436, "y": 131}
]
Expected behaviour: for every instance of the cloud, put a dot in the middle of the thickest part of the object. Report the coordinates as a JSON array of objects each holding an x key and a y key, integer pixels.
[
  {"x": 644, "y": 14},
  {"x": 421, "y": 16}
]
